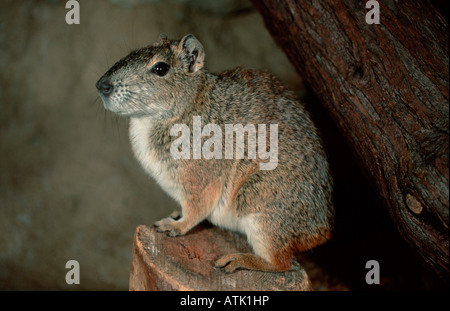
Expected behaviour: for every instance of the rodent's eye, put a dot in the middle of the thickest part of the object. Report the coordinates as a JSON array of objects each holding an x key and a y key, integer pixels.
[{"x": 160, "y": 68}]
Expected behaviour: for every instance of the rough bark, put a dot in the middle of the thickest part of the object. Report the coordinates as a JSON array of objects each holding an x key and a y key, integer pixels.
[
  {"x": 187, "y": 263},
  {"x": 387, "y": 88}
]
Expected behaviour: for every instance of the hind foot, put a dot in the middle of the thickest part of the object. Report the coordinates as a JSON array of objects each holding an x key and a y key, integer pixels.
[{"x": 232, "y": 262}]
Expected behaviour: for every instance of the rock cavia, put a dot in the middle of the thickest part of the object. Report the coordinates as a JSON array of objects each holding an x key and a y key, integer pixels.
[{"x": 281, "y": 210}]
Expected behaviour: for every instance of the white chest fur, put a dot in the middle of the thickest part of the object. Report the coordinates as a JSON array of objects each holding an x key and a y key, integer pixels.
[{"x": 140, "y": 130}]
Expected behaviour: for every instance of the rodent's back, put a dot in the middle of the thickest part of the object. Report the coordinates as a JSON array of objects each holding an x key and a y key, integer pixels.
[
  {"x": 247, "y": 96},
  {"x": 302, "y": 180}
]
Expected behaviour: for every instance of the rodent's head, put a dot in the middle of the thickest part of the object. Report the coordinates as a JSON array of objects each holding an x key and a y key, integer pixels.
[{"x": 157, "y": 80}]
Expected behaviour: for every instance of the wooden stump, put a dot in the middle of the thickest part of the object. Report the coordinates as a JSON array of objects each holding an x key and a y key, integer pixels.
[{"x": 187, "y": 263}]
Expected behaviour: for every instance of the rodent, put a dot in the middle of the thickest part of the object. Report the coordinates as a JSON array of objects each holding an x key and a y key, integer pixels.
[{"x": 282, "y": 210}]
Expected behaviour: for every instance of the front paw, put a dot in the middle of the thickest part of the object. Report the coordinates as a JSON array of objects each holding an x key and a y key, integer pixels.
[{"x": 168, "y": 225}]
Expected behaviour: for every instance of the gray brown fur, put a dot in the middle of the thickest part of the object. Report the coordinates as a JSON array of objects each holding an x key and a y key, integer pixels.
[{"x": 281, "y": 211}]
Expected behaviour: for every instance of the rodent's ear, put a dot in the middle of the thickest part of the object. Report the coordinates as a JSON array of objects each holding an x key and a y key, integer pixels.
[{"x": 191, "y": 53}]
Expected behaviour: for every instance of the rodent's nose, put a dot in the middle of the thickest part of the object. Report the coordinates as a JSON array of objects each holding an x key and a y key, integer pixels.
[{"x": 105, "y": 87}]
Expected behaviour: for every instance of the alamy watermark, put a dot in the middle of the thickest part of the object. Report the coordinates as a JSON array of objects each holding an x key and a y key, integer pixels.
[
  {"x": 373, "y": 16},
  {"x": 213, "y": 146},
  {"x": 73, "y": 16},
  {"x": 373, "y": 275},
  {"x": 73, "y": 275}
]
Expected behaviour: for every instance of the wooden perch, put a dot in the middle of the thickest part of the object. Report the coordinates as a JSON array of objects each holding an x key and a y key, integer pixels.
[
  {"x": 187, "y": 263},
  {"x": 387, "y": 88}
]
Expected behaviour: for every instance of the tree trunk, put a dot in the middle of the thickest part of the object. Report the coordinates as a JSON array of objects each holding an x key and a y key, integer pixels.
[{"x": 387, "y": 87}]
